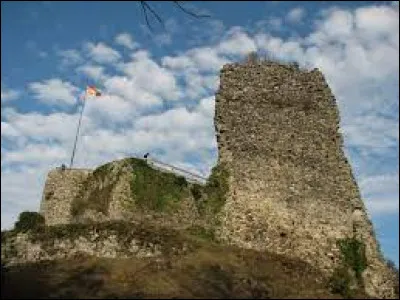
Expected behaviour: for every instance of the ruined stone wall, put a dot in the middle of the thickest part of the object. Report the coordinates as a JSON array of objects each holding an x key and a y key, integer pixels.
[
  {"x": 60, "y": 189},
  {"x": 291, "y": 188},
  {"x": 110, "y": 240},
  {"x": 86, "y": 196}
]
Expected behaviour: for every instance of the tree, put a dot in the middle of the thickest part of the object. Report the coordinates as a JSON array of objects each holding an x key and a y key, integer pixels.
[{"x": 147, "y": 9}]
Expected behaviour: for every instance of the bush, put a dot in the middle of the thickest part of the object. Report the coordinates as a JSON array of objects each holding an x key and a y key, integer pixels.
[
  {"x": 353, "y": 252},
  {"x": 29, "y": 220},
  {"x": 181, "y": 181},
  {"x": 395, "y": 271},
  {"x": 196, "y": 192},
  {"x": 340, "y": 282}
]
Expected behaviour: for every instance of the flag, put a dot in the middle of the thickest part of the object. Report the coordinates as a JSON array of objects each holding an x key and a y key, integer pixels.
[{"x": 92, "y": 91}]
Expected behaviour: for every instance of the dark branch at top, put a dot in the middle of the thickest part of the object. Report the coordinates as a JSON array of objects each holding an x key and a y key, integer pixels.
[{"x": 146, "y": 7}]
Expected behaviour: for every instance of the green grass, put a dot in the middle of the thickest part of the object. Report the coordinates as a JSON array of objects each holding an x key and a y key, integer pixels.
[
  {"x": 155, "y": 190},
  {"x": 214, "y": 193}
]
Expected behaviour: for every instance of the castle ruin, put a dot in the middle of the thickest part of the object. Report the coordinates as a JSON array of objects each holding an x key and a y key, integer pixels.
[{"x": 291, "y": 189}]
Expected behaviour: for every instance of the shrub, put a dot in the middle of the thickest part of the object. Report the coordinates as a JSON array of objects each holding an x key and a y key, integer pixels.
[
  {"x": 353, "y": 253},
  {"x": 181, "y": 181},
  {"x": 340, "y": 282},
  {"x": 155, "y": 190},
  {"x": 29, "y": 221},
  {"x": 395, "y": 271},
  {"x": 216, "y": 189},
  {"x": 196, "y": 192}
]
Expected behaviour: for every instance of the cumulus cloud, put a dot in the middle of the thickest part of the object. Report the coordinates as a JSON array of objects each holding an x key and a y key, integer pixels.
[
  {"x": 296, "y": 15},
  {"x": 381, "y": 193},
  {"x": 92, "y": 71},
  {"x": 56, "y": 127},
  {"x": 54, "y": 91},
  {"x": 70, "y": 57},
  {"x": 146, "y": 74},
  {"x": 101, "y": 53},
  {"x": 237, "y": 42},
  {"x": 36, "y": 154},
  {"x": 8, "y": 94},
  {"x": 126, "y": 40}
]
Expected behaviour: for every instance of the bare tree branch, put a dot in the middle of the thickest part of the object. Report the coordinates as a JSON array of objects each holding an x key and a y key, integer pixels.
[
  {"x": 146, "y": 7},
  {"x": 190, "y": 12},
  {"x": 145, "y": 15},
  {"x": 153, "y": 12}
]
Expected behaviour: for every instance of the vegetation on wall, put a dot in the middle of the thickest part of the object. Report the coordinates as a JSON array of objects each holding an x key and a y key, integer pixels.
[
  {"x": 29, "y": 220},
  {"x": 155, "y": 190},
  {"x": 99, "y": 197},
  {"x": 347, "y": 277},
  {"x": 353, "y": 254},
  {"x": 214, "y": 193},
  {"x": 151, "y": 189}
]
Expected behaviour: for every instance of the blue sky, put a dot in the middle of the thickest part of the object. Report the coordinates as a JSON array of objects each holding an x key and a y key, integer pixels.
[{"x": 159, "y": 87}]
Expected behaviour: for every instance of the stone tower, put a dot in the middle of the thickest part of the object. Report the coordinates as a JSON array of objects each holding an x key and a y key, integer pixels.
[{"x": 292, "y": 190}]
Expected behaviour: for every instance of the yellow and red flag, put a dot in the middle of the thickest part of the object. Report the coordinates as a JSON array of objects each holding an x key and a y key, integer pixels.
[{"x": 92, "y": 91}]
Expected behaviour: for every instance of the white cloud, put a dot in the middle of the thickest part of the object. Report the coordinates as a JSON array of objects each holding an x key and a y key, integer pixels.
[
  {"x": 8, "y": 94},
  {"x": 275, "y": 22},
  {"x": 36, "y": 154},
  {"x": 200, "y": 59},
  {"x": 237, "y": 42},
  {"x": 55, "y": 127},
  {"x": 147, "y": 75},
  {"x": 163, "y": 39},
  {"x": 126, "y": 40},
  {"x": 128, "y": 89},
  {"x": 381, "y": 193},
  {"x": 376, "y": 20},
  {"x": 101, "y": 53},
  {"x": 383, "y": 205},
  {"x": 296, "y": 15},
  {"x": 20, "y": 191},
  {"x": 92, "y": 71},
  {"x": 54, "y": 91},
  {"x": 70, "y": 57},
  {"x": 380, "y": 184}
]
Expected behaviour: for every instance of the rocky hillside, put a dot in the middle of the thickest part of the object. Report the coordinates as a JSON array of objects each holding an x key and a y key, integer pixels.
[{"x": 148, "y": 261}]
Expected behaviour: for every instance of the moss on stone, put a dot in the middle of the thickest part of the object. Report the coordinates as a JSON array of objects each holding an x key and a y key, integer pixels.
[
  {"x": 100, "y": 195},
  {"x": 214, "y": 193},
  {"x": 353, "y": 255},
  {"x": 155, "y": 190}
]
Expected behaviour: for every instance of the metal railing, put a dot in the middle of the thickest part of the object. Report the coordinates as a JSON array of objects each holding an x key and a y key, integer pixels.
[
  {"x": 156, "y": 164},
  {"x": 190, "y": 176}
]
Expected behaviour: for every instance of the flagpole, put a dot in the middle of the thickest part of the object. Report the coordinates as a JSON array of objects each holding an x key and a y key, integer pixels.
[{"x": 77, "y": 131}]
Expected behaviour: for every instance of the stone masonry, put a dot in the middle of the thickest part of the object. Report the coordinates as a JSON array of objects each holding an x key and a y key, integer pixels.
[
  {"x": 60, "y": 189},
  {"x": 292, "y": 190}
]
